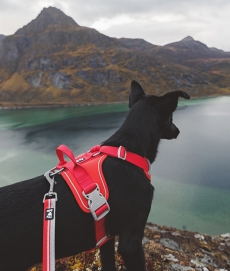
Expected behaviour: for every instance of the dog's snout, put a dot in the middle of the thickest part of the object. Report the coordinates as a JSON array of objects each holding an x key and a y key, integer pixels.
[
  {"x": 177, "y": 131},
  {"x": 171, "y": 133}
]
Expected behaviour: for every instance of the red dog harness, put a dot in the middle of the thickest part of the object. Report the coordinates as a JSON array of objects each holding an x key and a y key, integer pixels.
[{"x": 85, "y": 178}]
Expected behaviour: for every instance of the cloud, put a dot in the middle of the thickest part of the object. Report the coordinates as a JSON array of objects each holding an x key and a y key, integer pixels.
[{"x": 157, "y": 21}]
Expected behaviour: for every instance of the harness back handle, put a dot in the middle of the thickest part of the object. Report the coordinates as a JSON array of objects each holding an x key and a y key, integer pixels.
[{"x": 60, "y": 151}]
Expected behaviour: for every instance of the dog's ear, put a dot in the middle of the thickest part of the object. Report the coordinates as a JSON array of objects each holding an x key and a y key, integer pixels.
[
  {"x": 170, "y": 101},
  {"x": 136, "y": 93}
]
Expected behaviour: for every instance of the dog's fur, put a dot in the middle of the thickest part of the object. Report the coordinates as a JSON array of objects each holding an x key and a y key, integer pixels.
[{"x": 131, "y": 194}]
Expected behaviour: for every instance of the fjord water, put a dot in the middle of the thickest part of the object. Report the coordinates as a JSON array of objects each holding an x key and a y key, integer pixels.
[{"x": 191, "y": 174}]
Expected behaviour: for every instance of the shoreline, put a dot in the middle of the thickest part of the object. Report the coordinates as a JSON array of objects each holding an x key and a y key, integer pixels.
[
  {"x": 6, "y": 105},
  {"x": 57, "y": 105}
]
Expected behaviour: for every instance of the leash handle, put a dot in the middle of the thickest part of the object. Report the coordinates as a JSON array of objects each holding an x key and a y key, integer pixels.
[{"x": 60, "y": 151}]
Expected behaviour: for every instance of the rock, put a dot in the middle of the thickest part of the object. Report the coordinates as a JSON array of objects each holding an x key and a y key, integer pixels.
[
  {"x": 32, "y": 64},
  {"x": 169, "y": 243},
  {"x": 225, "y": 235},
  {"x": 178, "y": 267},
  {"x": 205, "y": 245},
  {"x": 12, "y": 53},
  {"x": 102, "y": 78},
  {"x": 96, "y": 62},
  {"x": 60, "y": 80},
  {"x": 152, "y": 227},
  {"x": 197, "y": 263},
  {"x": 207, "y": 260},
  {"x": 44, "y": 61},
  {"x": 145, "y": 241},
  {"x": 199, "y": 236},
  {"x": 170, "y": 257},
  {"x": 35, "y": 79},
  {"x": 176, "y": 233}
]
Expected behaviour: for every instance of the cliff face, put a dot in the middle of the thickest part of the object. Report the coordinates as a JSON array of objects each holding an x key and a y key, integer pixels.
[
  {"x": 165, "y": 249},
  {"x": 53, "y": 60}
]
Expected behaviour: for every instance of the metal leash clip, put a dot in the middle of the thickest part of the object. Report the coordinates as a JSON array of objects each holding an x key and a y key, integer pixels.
[{"x": 50, "y": 178}]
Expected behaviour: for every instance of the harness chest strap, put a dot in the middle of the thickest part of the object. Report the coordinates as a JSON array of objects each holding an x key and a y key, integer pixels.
[
  {"x": 98, "y": 209},
  {"x": 79, "y": 179}
]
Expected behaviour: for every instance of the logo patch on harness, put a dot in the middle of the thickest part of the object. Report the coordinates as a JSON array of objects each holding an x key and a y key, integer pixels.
[{"x": 50, "y": 214}]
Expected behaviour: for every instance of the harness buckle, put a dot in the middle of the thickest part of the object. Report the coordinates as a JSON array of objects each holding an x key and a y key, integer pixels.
[
  {"x": 98, "y": 205},
  {"x": 121, "y": 153}
]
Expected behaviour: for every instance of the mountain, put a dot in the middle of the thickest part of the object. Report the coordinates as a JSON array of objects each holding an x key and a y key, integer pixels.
[
  {"x": 48, "y": 20},
  {"x": 137, "y": 44},
  {"x": 55, "y": 61},
  {"x": 1, "y": 37},
  {"x": 187, "y": 49}
]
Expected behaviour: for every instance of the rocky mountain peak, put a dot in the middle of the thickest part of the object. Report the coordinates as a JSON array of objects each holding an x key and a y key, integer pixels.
[
  {"x": 56, "y": 14},
  {"x": 188, "y": 39},
  {"x": 50, "y": 17},
  {"x": 52, "y": 11},
  {"x": 188, "y": 43}
]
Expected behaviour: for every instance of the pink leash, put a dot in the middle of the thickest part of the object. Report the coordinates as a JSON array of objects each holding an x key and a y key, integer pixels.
[{"x": 49, "y": 226}]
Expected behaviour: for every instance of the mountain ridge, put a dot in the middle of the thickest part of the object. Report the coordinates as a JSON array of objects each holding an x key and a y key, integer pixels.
[
  {"x": 50, "y": 16},
  {"x": 54, "y": 60}
]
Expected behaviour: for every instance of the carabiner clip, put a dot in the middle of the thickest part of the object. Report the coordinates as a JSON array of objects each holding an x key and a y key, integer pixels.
[{"x": 51, "y": 182}]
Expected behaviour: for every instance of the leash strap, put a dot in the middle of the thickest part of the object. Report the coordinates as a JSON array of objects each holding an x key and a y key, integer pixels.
[
  {"x": 49, "y": 200},
  {"x": 49, "y": 235}
]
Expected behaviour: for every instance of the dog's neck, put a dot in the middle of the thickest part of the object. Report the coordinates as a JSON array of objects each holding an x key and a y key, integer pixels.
[{"x": 139, "y": 134}]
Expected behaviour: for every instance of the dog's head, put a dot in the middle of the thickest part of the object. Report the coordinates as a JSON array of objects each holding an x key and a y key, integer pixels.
[{"x": 164, "y": 105}]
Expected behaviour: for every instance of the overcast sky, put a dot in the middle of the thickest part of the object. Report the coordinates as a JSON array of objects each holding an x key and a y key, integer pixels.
[{"x": 157, "y": 21}]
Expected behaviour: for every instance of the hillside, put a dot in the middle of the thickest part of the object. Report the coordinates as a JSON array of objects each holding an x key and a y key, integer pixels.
[
  {"x": 55, "y": 61},
  {"x": 165, "y": 249}
]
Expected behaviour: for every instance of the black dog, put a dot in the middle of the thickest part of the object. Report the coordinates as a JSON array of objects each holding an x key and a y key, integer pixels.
[{"x": 131, "y": 194}]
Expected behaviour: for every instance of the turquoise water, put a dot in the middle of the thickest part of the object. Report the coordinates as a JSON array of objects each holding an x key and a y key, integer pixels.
[
  {"x": 192, "y": 207},
  {"x": 19, "y": 118},
  {"x": 191, "y": 174}
]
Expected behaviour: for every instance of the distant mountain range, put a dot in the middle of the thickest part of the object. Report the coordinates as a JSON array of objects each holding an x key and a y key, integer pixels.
[{"x": 54, "y": 61}]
